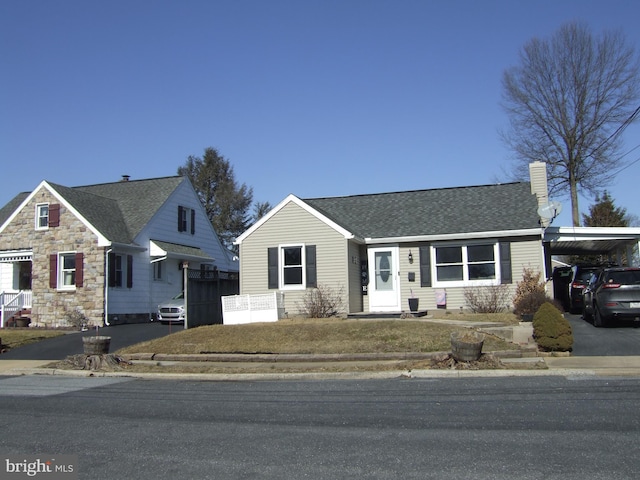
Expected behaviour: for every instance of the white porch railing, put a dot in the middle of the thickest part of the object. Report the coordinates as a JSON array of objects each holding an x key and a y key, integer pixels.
[{"x": 11, "y": 302}]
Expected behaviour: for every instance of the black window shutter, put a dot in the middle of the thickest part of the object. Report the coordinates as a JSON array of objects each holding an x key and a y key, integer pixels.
[
  {"x": 310, "y": 254},
  {"x": 79, "y": 269},
  {"x": 180, "y": 228},
  {"x": 272, "y": 259},
  {"x": 425, "y": 266},
  {"x": 129, "y": 271},
  {"x": 112, "y": 269},
  {"x": 505, "y": 262},
  {"x": 193, "y": 222}
]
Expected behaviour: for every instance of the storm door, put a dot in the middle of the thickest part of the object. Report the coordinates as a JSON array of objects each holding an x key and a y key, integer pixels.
[{"x": 384, "y": 285}]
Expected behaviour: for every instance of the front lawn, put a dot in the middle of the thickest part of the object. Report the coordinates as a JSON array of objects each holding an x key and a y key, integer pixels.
[{"x": 305, "y": 336}]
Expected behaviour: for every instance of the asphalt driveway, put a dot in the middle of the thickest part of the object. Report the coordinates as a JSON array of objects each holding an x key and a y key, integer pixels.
[
  {"x": 618, "y": 340},
  {"x": 59, "y": 348}
]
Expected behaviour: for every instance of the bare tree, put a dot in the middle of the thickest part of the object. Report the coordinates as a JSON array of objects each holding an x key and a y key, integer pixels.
[{"x": 568, "y": 102}]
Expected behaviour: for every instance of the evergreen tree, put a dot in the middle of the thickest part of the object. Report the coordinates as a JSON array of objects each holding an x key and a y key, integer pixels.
[
  {"x": 604, "y": 213},
  {"x": 226, "y": 203}
]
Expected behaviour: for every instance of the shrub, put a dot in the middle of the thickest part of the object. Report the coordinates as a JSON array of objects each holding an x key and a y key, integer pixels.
[
  {"x": 551, "y": 330},
  {"x": 489, "y": 299},
  {"x": 530, "y": 293},
  {"x": 322, "y": 302}
]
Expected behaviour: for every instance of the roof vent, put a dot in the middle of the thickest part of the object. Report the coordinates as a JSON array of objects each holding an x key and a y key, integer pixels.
[{"x": 125, "y": 178}]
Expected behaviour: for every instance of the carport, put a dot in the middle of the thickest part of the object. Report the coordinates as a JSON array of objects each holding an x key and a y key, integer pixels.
[{"x": 620, "y": 244}]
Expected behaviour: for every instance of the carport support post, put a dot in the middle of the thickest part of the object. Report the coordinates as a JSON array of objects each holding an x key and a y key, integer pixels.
[{"x": 185, "y": 282}]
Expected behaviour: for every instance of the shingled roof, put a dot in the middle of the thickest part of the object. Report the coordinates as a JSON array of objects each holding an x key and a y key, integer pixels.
[
  {"x": 137, "y": 201},
  {"x": 10, "y": 207},
  {"x": 118, "y": 210},
  {"x": 485, "y": 208}
]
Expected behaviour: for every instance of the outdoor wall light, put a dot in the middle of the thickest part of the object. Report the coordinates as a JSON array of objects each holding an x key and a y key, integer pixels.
[{"x": 410, "y": 257}]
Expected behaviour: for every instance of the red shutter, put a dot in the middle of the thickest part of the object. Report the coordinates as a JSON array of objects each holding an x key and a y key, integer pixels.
[
  {"x": 54, "y": 215},
  {"x": 79, "y": 269},
  {"x": 129, "y": 271},
  {"x": 53, "y": 270}
]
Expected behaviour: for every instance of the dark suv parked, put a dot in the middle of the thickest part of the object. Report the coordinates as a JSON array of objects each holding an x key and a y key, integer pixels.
[
  {"x": 561, "y": 280},
  {"x": 580, "y": 275},
  {"x": 613, "y": 294}
]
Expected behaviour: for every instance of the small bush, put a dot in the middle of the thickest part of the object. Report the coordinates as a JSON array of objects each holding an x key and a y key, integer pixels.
[
  {"x": 530, "y": 293},
  {"x": 322, "y": 302},
  {"x": 489, "y": 299},
  {"x": 75, "y": 317},
  {"x": 551, "y": 330}
]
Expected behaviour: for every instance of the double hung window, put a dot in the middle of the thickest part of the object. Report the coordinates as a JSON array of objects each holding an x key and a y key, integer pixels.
[
  {"x": 292, "y": 267},
  {"x": 292, "y": 259},
  {"x": 42, "y": 216},
  {"x": 66, "y": 270}
]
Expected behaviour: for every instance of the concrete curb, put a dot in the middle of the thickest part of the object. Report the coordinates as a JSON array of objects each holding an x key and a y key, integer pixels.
[{"x": 308, "y": 376}]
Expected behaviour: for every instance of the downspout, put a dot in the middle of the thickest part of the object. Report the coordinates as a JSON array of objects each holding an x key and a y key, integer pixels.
[
  {"x": 106, "y": 287},
  {"x": 153, "y": 309}
]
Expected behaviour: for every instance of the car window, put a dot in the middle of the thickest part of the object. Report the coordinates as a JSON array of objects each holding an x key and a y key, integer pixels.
[
  {"x": 584, "y": 276},
  {"x": 631, "y": 277}
]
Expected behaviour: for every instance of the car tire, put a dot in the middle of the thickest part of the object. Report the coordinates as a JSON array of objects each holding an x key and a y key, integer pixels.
[
  {"x": 585, "y": 315},
  {"x": 597, "y": 318}
]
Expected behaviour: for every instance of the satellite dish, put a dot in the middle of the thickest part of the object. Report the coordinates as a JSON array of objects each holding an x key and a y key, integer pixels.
[{"x": 551, "y": 210}]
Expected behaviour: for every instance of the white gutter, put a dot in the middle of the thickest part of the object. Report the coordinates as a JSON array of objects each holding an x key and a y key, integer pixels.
[{"x": 457, "y": 236}]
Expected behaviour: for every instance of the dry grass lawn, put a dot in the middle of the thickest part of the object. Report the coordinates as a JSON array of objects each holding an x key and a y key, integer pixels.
[{"x": 308, "y": 336}]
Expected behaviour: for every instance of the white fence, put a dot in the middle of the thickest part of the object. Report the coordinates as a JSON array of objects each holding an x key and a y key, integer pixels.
[
  {"x": 237, "y": 309},
  {"x": 11, "y": 302}
]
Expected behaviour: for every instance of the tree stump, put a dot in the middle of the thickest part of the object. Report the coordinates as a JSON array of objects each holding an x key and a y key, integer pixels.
[{"x": 102, "y": 362}]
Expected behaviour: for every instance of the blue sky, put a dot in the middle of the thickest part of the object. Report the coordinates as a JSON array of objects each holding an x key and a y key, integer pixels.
[{"x": 315, "y": 98}]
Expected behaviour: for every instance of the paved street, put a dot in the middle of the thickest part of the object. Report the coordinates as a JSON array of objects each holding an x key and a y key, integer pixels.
[{"x": 500, "y": 429}]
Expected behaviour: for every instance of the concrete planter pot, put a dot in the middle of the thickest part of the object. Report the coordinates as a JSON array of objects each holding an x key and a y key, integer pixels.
[
  {"x": 96, "y": 345},
  {"x": 22, "y": 322}
]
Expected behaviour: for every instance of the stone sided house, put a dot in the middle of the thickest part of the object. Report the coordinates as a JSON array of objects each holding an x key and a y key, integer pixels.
[{"x": 112, "y": 251}]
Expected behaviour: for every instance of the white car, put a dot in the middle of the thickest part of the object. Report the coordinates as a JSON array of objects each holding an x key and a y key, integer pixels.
[{"x": 172, "y": 311}]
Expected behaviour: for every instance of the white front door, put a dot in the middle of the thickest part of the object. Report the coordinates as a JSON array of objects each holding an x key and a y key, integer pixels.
[{"x": 384, "y": 284}]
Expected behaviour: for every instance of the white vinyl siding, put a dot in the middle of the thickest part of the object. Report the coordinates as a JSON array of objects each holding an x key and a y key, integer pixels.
[
  {"x": 147, "y": 293},
  {"x": 331, "y": 253},
  {"x": 524, "y": 253}
]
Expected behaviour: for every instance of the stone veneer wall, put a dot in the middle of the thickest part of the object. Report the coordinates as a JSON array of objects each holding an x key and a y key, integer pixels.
[{"x": 49, "y": 305}]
